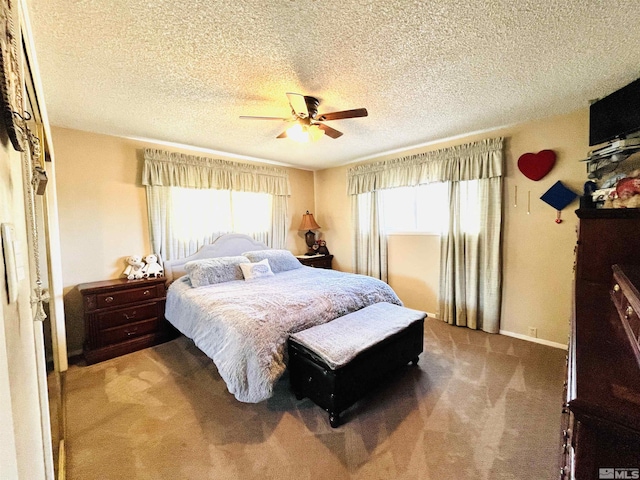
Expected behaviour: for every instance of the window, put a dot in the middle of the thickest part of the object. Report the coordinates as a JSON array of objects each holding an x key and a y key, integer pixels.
[
  {"x": 470, "y": 214},
  {"x": 199, "y": 214},
  {"x": 425, "y": 208}
]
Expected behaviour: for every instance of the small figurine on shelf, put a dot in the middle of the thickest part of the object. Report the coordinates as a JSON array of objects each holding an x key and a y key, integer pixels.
[
  {"x": 152, "y": 269},
  {"x": 322, "y": 248},
  {"x": 135, "y": 267}
]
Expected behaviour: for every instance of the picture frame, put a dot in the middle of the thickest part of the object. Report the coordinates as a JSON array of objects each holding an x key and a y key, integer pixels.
[{"x": 11, "y": 76}]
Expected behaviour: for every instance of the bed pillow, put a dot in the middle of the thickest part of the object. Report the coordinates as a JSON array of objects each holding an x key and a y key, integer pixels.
[
  {"x": 214, "y": 270},
  {"x": 279, "y": 260},
  {"x": 256, "y": 270}
]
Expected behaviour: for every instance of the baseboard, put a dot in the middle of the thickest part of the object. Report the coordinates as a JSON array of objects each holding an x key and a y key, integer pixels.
[
  {"x": 527, "y": 338},
  {"x": 541, "y": 341},
  {"x": 62, "y": 462},
  {"x": 74, "y": 357},
  {"x": 75, "y": 353}
]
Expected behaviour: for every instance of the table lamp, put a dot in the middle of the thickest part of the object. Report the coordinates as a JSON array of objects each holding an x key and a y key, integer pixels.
[{"x": 309, "y": 224}]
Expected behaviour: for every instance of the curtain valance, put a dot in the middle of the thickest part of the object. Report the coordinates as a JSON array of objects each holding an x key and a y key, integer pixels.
[
  {"x": 470, "y": 161},
  {"x": 171, "y": 169}
]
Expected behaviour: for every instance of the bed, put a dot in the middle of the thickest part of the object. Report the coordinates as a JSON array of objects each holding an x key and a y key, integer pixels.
[{"x": 243, "y": 323}]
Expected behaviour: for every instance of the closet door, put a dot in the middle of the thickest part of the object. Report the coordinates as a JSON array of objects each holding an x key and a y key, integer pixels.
[{"x": 44, "y": 257}]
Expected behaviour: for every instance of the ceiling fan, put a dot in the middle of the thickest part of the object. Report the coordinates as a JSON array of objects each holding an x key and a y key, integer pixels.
[{"x": 304, "y": 115}]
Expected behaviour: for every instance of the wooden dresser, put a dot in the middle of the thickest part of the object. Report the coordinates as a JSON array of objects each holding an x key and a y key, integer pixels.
[
  {"x": 122, "y": 316},
  {"x": 323, "y": 261},
  {"x": 601, "y": 416}
]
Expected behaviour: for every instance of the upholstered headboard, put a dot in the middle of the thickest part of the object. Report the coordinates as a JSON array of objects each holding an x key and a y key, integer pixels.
[{"x": 227, "y": 245}]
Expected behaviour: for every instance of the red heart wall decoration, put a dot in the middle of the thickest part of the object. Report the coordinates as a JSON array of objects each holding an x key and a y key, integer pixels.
[{"x": 536, "y": 165}]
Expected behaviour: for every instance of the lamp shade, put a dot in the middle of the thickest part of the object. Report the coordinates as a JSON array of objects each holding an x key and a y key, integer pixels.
[{"x": 308, "y": 222}]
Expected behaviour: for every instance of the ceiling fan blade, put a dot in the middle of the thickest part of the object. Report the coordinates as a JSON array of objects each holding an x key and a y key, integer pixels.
[
  {"x": 312, "y": 105},
  {"x": 298, "y": 104},
  {"x": 248, "y": 117},
  {"x": 332, "y": 132},
  {"x": 282, "y": 135},
  {"x": 358, "y": 112}
]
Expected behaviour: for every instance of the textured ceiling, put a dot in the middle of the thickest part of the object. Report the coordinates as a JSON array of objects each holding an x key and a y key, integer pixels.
[{"x": 184, "y": 71}]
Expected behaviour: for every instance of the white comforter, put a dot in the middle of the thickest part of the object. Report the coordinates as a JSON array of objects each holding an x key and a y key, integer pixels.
[{"x": 244, "y": 325}]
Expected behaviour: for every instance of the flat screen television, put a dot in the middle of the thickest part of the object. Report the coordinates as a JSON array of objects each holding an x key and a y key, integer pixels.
[{"x": 616, "y": 115}]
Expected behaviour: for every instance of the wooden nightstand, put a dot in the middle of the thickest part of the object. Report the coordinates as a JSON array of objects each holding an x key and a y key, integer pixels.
[
  {"x": 122, "y": 316},
  {"x": 323, "y": 261}
]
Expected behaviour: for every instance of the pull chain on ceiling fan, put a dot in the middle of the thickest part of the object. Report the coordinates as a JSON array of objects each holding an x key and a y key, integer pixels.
[{"x": 304, "y": 115}]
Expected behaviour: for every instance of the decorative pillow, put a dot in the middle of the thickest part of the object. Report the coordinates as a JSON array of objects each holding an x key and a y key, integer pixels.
[
  {"x": 214, "y": 270},
  {"x": 279, "y": 260},
  {"x": 256, "y": 270}
]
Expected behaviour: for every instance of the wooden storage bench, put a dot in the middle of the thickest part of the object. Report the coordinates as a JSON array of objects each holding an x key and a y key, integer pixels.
[{"x": 336, "y": 363}]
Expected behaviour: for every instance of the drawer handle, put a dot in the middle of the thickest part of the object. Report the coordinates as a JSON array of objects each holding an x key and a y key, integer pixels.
[
  {"x": 131, "y": 332},
  {"x": 146, "y": 292},
  {"x": 130, "y": 317},
  {"x": 628, "y": 312},
  {"x": 616, "y": 288},
  {"x": 108, "y": 299}
]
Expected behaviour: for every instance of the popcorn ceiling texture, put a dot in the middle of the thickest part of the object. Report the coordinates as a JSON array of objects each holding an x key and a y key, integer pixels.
[{"x": 184, "y": 71}]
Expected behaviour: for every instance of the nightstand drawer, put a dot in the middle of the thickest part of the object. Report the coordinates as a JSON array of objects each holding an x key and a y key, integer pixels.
[
  {"x": 128, "y": 331},
  {"x": 123, "y": 316},
  {"x": 124, "y": 297}
]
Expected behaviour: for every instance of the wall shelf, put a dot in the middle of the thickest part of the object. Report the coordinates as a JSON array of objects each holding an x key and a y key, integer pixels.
[{"x": 607, "y": 160}]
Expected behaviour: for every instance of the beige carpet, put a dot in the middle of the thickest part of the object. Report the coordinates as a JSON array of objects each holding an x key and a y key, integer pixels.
[{"x": 477, "y": 406}]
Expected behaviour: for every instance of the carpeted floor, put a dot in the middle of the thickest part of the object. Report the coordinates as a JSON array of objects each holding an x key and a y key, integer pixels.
[{"x": 477, "y": 406}]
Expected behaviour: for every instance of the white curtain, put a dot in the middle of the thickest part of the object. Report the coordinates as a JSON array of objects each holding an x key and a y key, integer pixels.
[
  {"x": 463, "y": 162},
  {"x": 370, "y": 252},
  {"x": 164, "y": 170},
  {"x": 470, "y": 281},
  {"x": 471, "y": 257}
]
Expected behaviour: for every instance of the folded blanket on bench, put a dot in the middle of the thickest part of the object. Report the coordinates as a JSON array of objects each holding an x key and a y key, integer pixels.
[{"x": 339, "y": 341}]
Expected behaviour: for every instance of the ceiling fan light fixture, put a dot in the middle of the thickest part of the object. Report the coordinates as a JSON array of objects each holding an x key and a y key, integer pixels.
[
  {"x": 304, "y": 133},
  {"x": 315, "y": 133},
  {"x": 296, "y": 133},
  {"x": 304, "y": 114}
]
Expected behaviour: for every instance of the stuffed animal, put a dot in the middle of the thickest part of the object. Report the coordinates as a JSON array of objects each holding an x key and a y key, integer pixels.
[
  {"x": 152, "y": 269},
  {"x": 135, "y": 267},
  {"x": 626, "y": 193},
  {"x": 322, "y": 249},
  {"x": 628, "y": 187},
  {"x": 628, "y": 202}
]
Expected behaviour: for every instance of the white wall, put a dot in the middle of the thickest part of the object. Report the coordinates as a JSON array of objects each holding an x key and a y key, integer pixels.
[{"x": 21, "y": 447}]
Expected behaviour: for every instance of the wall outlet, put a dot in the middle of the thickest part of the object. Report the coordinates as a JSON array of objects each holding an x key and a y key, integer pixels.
[{"x": 533, "y": 332}]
